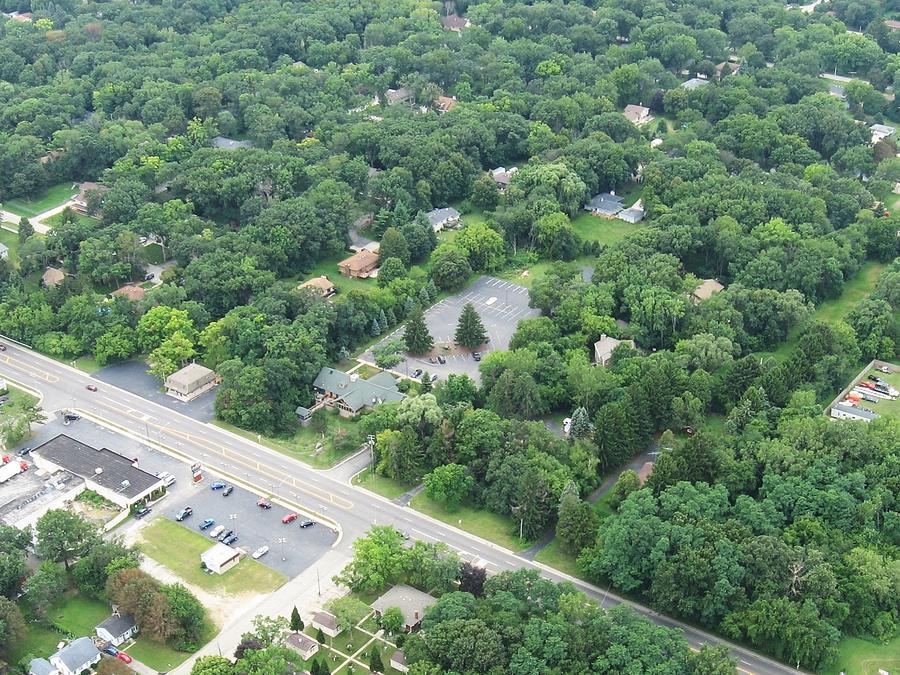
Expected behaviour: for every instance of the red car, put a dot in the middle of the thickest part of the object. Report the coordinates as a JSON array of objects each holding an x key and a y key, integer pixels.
[
  {"x": 91, "y": 387},
  {"x": 289, "y": 518},
  {"x": 122, "y": 656}
]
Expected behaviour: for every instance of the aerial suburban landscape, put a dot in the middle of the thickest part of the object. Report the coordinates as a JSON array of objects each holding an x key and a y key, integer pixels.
[{"x": 470, "y": 337}]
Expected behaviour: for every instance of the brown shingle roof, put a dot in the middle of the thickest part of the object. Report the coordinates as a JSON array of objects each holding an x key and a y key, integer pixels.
[
  {"x": 707, "y": 289},
  {"x": 53, "y": 276},
  {"x": 131, "y": 292},
  {"x": 360, "y": 261},
  {"x": 319, "y": 283}
]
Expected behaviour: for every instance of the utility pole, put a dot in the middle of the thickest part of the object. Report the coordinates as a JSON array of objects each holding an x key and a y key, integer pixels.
[{"x": 281, "y": 541}]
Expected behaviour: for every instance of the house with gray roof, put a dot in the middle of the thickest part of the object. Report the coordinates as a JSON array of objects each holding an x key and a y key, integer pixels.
[
  {"x": 443, "y": 218},
  {"x": 350, "y": 394},
  {"x": 190, "y": 382},
  {"x": 605, "y": 205},
  {"x": 225, "y": 143},
  {"x": 401, "y": 95},
  {"x": 117, "y": 628},
  {"x": 411, "y": 602},
  {"x": 694, "y": 83},
  {"x": 75, "y": 658},
  {"x": 41, "y": 667}
]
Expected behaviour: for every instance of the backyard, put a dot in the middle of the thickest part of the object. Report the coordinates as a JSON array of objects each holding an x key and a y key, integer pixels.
[
  {"x": 861, "y": 657},
  {"x": 54, "y": 221},
  {"x": 43, "y": 201},
  {"x": 329, "y": 268},
  {"x": 606, "y": 231},
  {"x": 11, "y": 239},
  {"x": 179, "y": 549},
  {"x": 75, "y": 615}
]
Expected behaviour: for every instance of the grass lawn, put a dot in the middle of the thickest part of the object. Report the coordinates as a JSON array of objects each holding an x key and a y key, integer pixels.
[
  {"x": 855, "y": 291},
  {"x": 154, "y": 254},
  {"x": 860, "y": 657},
  {"x": 78, "y": 614},
  {"x": 302, "y": 445},
  {"x": 56, "y": 220},
  {"x": 884, "y": 406},
  {"x": 18, "y": 399},
  {"x": 179, "y": 549},
  {"x": 11, "y": 239},
  {"x": 386, "y": 487},
  {"x": 40, "y": 641},
  {"x": 556, "y": 557},
  {"x": 45, "y": 200},
  {"x": 162, "y": 657},
  {"x": 484, "y": 524},
  {"x": 537, "y": 271},
  {"x": 607, "y": 232}
]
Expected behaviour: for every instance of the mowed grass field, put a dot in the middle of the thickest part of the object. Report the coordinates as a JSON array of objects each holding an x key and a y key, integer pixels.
[
  {"x": 602, "y": 230},
  {"x": 861, "y": 657},
  {"x": 43, "y": 201},
  {"x": 481, "y": 523},
  {"x": 179, "y": 549}
]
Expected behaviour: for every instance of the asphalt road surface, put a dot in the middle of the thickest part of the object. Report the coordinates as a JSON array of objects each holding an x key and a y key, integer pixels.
[{"x": 332, "y": 499}]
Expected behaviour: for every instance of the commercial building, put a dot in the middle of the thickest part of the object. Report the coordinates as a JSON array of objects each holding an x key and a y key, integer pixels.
[
  {"x": 220, "y": 558},
  {"x": 351, "y": 394},
  {"x": 190, "y": 382},
  {"x": 411, "y": 602},
  {"x": 109, "y": 474}
]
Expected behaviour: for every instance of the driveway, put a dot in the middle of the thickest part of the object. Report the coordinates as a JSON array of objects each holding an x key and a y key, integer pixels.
[{"x": 133, "y": 376}]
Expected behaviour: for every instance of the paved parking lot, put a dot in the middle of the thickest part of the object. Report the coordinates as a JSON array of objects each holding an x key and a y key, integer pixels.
[
  {"x": 501, "y": 305},
  {"x": 255, "y": 526},
  {"x": 133, "y": 376}
]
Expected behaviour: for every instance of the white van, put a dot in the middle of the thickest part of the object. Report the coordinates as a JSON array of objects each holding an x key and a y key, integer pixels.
[{"x": 167, "y": 478}]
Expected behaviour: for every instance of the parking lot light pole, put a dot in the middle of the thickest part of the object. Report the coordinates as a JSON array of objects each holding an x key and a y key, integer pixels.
[{"x": 281, "y": 541}]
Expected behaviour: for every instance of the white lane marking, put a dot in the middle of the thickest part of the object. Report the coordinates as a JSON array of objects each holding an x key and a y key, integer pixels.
[{"x": 425, "y": 535}]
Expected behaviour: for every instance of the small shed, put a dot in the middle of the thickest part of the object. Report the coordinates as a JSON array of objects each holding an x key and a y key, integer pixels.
[
  {"x": 190, "y": 382},
  {"x": 398, "y": 661},
  {"x": 327, "y": 623},
  {"x": 117, "y": 628},
  {"x": 304, "y": 415},
  {"x": 220, "y": 558},
  {"x": 304, "y": 645}
]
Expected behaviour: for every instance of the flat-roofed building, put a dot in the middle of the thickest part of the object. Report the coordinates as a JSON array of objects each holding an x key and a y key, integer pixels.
[{"x": 190, "y": 382}]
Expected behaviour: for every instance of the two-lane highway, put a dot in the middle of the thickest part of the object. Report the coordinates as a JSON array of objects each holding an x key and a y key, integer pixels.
[{"x": 332, "y": 497}]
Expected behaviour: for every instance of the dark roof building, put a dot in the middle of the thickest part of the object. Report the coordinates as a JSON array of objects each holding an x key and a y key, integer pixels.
[
  {"x": 350, "y": 394},
  {"x": 411, "y": 602},
  {"x": 117, "y": 628},
  {"x": 114, "y": 476}
]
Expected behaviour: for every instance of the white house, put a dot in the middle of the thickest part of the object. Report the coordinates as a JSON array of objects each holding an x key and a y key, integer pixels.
[
  {"x": 76, "y": 657},
  {"x": 327, "y": 623},
  {"x": 880, "y": 132},
  {"x": 844, "y": 411},
  {"x": 117, "y": 628}
]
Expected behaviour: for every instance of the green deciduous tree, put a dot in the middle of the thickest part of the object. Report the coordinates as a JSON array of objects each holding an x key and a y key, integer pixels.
[
  {"x": 63, "y": 536},
  {"x": 449, "y": 485}
]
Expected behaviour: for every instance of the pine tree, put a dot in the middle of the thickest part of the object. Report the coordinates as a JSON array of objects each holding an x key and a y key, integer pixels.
[
  {"x": 320, "y": 637},
  {"x": 375, "y": 328},
  {"x": 470, "y": 330},
  {"x": 383, "y": 320},
  {"x": 432, "y": 290},
  {"x": 314, "y": 668},
  {"x": 375, "y": 663},
  {"x": 581, "y": 426},
  {"x": 323, "y": 667},
  {"x": 576, "y": 525},
  {"x": 424, "y": 298},
  {"x": 391, "y": 317},
  {"x": 409, "y": 305},
  {"x": 418, "y": 339},
  {"x": 296, "y": 621},
  {"x": 426, "y": 383}
]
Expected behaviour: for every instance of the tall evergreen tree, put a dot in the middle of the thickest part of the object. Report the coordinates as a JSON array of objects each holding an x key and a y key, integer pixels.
[
  {"x": 383, "y": 320},
  {"x": 376, "y": 665},
  {"x": 470, "y": 331},
  {"x": 424, "y": 296},
  {"x": 296, "y": 621},
  {"x": 375, "y": 328},
  {"x": 576, "y": 524},
  {"x": 581, "y": 424},
  {"x": 418, "y": 339}
]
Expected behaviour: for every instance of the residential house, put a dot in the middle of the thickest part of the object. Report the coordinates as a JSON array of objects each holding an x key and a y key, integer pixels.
[
  {"x": 443, "y": 218},
  {"x": 603, "y": 348},
  {"x": 320, "y": 285},
  {"x": 880, "y": 132},
  {"x": 633, "y": 214},
  {"x": 225, "y": 143},
  {"x": 220, "y": 558},
  {"x": 360, "y": 265},
  {"x": 412, "y": 604},
  {"x": 606, "y": 205},
  {"x": 327, "y": 623},
  {"x": 350, "y": 394},
  {"x": 130, "y": 292},
  {"x": 190, "y": 382},
  {"x": 444, "y": 104},
  {"x": 398, "y": 662},
  {"x": 4, "y": 252},
  {"x": 301, "y": 643},
  {"x": 86, "y": 191},
  {"x": 24, "y": 17},
  {"x": 52, "y": 277},
  {"x": 637, "y": 114},
  {"x": 41, "y": 667},
  {"x": 117, "y": 628},
  {"x": 727, "y": 68},
  {"x": 844, "y": 411},
  {"x": 401, "y": 95},
  {"x": 694, "y": 83},
  {"x": 892, "y": 24},
  {"x": 502, "y": 176},
  {"x": 707, "y": 289},
  {"x": 51, "y": 156},
  {"x": 454, "y": 22},
  {"x": 76, "y": 657}
]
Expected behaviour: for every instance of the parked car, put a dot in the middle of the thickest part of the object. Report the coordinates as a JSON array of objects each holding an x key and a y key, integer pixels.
[
  {"x": 218, "y": 485},
  {"x": 109, "y": 649},
  {"x": 24, "y": 451},
  {"x": 228, "y": 490},
  {"x": 417, "y": 373},
  {"x": 141, "y": 512},
  {"x": 260, "y": 552},
  {"x": 225, "y": 535},
  {"x": 2, "y": 347},
  {"x": 476, "y": 356},
  {"x": 289, "y": 518},
  {"x": 306, "y": 523},
  {"x": 124, "y": 658},
  {"x": 264, "y": 503},
  {"x": 91, "y": 387},
  {"x": 184, "y": 513},
  {"x": 441, "y": 359},
  {"x": 208, "y": 523},
  {"x": 230, "y": 539},
  {"x": 167, "y": 478},
  {"x": 434, "y": 378},
  {"x": 431, "y": 359},
  {"x": 884, "y": 369},
  {"x": 71, "y": 417},
  {"x": 216, "y": 531},
  {"x": 149, "y": 276}
]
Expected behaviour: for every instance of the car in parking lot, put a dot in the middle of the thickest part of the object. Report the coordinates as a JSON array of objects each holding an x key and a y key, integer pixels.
[
  {"x": 208, "y": 523},
  {"x": 71, "y": 417},
  {"x": 225, "y": 535},
  {"x": 264, "y": 503},
  {"x": 441, "y": 359},
  {"x": 2, "y": 347},
  {"x": 431, "y": 359},
  {"x": 476, "y": 356},
  {"x": 417, "y": 373},
  {"x": 306, "y": 523},
  {"x": 124, "y": 658},
  {"x": 230, "y": 539},
  {"x": 149, "y": 276},
  {"x": 184, "y": 513},
  {"x": 218, "y": 485},
  {"x": 141, "y": 512},
  {"x": 228, "y": 490},
  {"x": 289, "y": 518},
  {"x": 216, "y": 531},
  {"x": 434, "y": 378},
  {"x": 260, "y": 552},
  {"x": 109, "y": 649}
]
